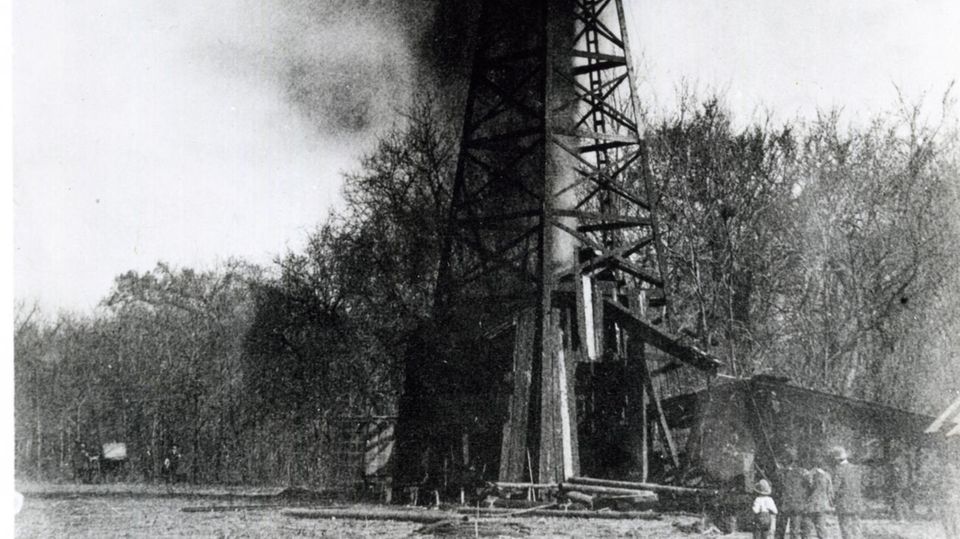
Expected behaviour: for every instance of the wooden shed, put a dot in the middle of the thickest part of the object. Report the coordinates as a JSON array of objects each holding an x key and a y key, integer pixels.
[{"x": 739, "y": 430}]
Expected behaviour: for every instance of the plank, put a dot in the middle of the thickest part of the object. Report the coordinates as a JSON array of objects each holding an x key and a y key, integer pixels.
[
  {"x": 643, "y": 330},
  {"x": 573, "y": 483},
  {"x": 514, "y": 443}
]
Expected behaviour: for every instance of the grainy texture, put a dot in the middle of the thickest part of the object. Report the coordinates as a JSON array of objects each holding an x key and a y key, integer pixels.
[{"x": 96, "y": 516}]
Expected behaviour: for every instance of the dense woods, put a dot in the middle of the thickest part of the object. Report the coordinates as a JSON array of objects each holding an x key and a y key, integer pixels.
[{"x": 820, "y": 251}]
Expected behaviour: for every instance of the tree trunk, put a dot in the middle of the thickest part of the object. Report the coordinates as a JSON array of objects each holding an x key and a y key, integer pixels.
[
  {"x": 195, "y": 469},
  {"x": 39, "y": 446}
]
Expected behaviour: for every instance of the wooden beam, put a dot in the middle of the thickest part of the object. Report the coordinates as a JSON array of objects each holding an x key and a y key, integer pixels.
[
  {"x": 584, "y": 306},
  {"x": 638, "y": 486},
  {"x": 598, "y": 56},
  {"x": 669, "y": 367},
  {"x": 645, "y": 436},
  {"x": 522, "y": 485},
  {"x": 661, "y": 416},
  {"x": 637, "y": 412},
  {"x": 598, "y": 66},
  {"x": 943, "y": 418},
  {"x": 609, "y": 491},
  {"x": 558, "y": 437},
  {"x": 513, "y": 446},
  {"x": 562, "y": 513},
  {"x": 643, "y": 330}
]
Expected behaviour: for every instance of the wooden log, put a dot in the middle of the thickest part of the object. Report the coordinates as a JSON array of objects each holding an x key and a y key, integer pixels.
[
  {"x": 508, "y": 484},
  {"x": 560, "y": 513},
  {"x": 610, "y": 491},
  {"x": 579, "y": 497},
  {"x": 573, "y": 482},
  {"x": 533, "y": 509},
  {"x": 425, "y": 517},
  {"x": 228, "y": 508}
]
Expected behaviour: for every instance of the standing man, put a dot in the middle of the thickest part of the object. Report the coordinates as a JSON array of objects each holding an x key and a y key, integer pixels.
[
  {"x": 897, "y": 484},
  {"x": 171, "y": 464},
  {"x": 819, "y": 496},
  {"x": 793, "y": 494},
  {"x": 849, "y": 500}
]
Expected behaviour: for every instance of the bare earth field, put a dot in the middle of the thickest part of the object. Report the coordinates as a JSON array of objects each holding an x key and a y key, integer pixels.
[{"x": 153, "y": 511}]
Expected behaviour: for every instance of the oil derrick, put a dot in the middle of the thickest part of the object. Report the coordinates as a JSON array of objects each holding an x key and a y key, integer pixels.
[{"x": 553, "y": 228}]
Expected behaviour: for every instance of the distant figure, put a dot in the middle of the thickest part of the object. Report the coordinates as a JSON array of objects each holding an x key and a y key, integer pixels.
[
  {"x": 849, "y": 499},
  {"x": 147, "y": 465},
  {"x": 897, "y": 484},
  {"x": 818, "y": 504},
  {"x": 84, "y": 463},
  {"x": 764, "y": 511},
  {"x": 950, "y": 499},
  {"x": 171, "y": 464},
  {"x": 793, "y": 496}
]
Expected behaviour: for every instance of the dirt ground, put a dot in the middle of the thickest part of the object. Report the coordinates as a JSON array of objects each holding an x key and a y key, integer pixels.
[{"x": 117, "y": 511}]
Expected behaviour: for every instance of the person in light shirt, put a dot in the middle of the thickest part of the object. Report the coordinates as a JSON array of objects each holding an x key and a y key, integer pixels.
[{"x": 764, "y": 511}]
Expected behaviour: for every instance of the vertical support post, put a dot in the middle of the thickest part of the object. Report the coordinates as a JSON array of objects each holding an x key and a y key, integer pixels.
[
  {"x": 661, "y": 417},
  {"x": 557, "y": 437},
  {"x": 513, "y": 449},
  {"x": 645, "y": 437}
]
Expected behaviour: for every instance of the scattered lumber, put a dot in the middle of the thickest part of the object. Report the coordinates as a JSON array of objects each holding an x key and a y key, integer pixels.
[
  {"x": 638, "y": 486},
  {"x": 648, "y": 495},
  {"x": 228, "y": 508},
  {"x": 532, "y": 509},
  {"x": 425, "y": 517},
  {"x": 509, "y": 485},
  {"x": 579, "y": 497},
  {"x": 560, "y": 513}
]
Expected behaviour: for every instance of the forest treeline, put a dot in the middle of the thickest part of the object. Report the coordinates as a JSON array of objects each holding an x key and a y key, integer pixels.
[{"x": 826, "y": 253}]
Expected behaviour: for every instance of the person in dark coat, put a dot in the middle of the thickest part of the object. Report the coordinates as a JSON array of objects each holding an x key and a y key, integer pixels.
[
  {"x": 897, "y": 484},
  {"x": 848, "y": 499},
  {"x": 84, "y": 463},
  {"x": 949, "y": 494},
  {"x": 793, "y": 494},
  {"x": 171, "y": 464},
  {"x": 818, "y": 502}
]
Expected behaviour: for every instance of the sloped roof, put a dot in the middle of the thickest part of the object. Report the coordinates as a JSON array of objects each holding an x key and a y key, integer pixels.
[{"x": 950, "y": 418}]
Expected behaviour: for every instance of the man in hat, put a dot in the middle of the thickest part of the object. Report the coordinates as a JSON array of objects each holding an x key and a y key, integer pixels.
[
  {"x": 793, "y": 493},
  {"x": 764, "y": 511},
  {"x": 84, "y": 463},
  {"x": 896, "y": 484},
  {"x": 849, "y": 499},
  {"x": 171, "y": 464},
  {"x": 817, "y": 505}
]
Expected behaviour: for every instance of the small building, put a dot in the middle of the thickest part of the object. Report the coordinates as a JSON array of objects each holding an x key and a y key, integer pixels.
[
  {"x": 361, "y": 453},
  {"x": 740, "y": 430}
]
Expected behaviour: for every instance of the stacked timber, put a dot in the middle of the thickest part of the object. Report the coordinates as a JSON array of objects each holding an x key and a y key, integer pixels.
[
  {"x": 604, "y": 497},
  {"x": 620, "y": 486},
  {"x": 623, "y": 495}
]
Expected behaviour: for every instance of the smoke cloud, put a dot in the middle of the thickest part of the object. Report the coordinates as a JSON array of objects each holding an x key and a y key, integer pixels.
[{"x": 190, "y": 131}]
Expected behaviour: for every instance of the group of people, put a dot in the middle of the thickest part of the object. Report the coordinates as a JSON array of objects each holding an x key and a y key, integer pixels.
[
  {"x": 87, "y": 464},
  {"x": 807, "y": 495}
]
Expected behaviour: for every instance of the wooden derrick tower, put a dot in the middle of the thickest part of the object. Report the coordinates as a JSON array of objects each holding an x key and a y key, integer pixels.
[{"x": 553, "y": 227}]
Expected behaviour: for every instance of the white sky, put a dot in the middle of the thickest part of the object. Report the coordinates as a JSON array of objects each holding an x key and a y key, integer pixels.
[{"x": 149, "y": 130}]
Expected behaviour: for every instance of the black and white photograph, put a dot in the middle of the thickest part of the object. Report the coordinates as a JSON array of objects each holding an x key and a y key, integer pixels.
[{"x": 484, "y": 268}]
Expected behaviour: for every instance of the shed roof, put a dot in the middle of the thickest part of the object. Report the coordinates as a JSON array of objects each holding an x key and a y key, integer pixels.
[{"x": 950, "y": 417}]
